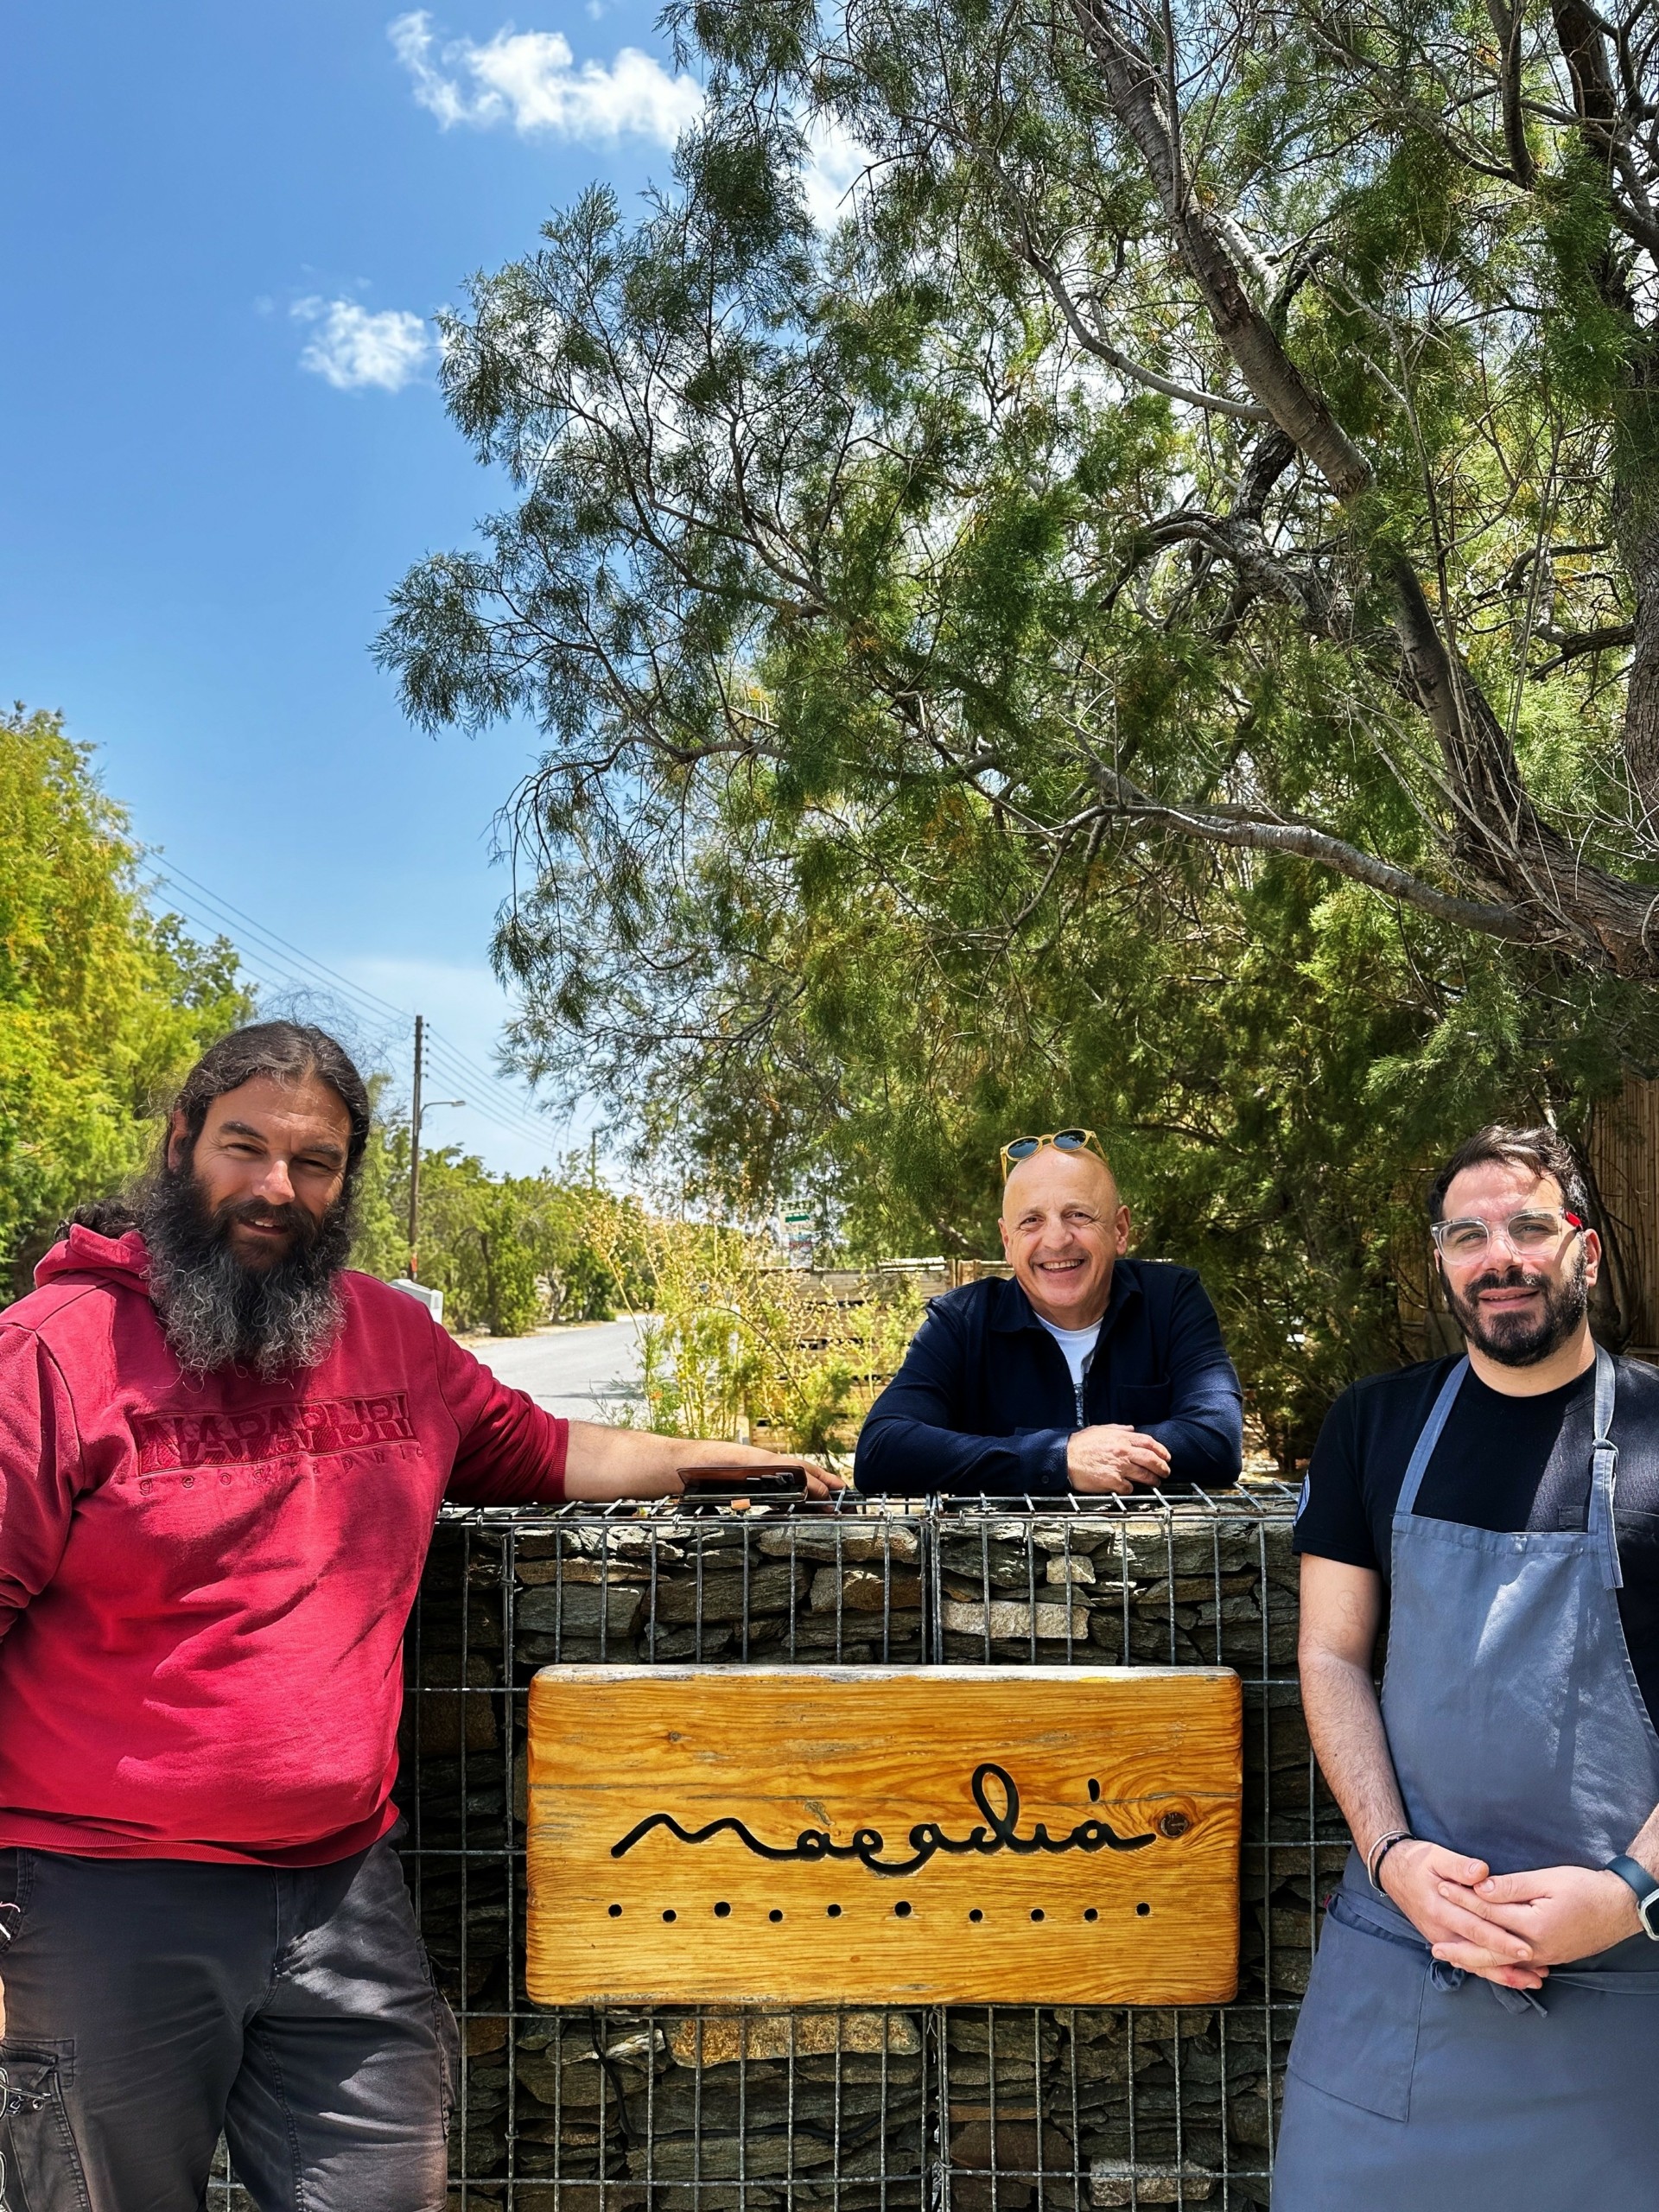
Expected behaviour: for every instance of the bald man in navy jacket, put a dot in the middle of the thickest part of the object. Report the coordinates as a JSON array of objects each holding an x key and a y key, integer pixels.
[{"x": 1089, "y": 1372}]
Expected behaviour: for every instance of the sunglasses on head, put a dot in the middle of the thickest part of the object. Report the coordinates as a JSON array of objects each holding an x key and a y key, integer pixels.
[{"x": 1019, "y": 1148}]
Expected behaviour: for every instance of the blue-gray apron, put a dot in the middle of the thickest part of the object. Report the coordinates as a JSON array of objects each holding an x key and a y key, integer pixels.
[{"x": 1519, "y": 1736}]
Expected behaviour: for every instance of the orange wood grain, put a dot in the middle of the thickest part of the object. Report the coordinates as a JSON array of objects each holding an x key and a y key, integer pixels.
[{"x": 840, "y": 1749}]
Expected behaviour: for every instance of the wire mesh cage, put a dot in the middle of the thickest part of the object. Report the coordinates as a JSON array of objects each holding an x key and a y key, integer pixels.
[
  {"x": 1141, "y": 2106},
  {"x": 950, "y": 2109}
]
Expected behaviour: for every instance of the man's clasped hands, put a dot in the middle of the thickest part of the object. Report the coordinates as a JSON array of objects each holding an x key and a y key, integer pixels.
[
  {"x": 1507, "y": 1928},
  {"x": 1112, "y": 1457}
]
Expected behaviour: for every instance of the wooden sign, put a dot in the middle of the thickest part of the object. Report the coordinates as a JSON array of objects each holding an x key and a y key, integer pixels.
[{"x": 1061, "y": 1835}]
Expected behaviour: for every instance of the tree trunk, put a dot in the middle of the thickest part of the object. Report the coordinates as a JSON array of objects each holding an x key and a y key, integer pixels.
[{"x": 1640, "y": 547}]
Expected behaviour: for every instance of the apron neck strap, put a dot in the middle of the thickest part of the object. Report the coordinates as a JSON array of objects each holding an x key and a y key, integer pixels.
[
  {"x": 1423, "y": 1450},
  {"x": 1603, "y": 1473},
  {"x": 1604, "y": 1462}
]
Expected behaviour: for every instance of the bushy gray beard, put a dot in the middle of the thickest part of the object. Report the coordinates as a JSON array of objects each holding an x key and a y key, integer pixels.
[
  {"x": 1510, "y": 1338},
  {"x": 218, "y": 1312}
]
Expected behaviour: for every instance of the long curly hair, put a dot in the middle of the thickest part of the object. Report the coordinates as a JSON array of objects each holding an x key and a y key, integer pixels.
[{"x": 290, "y": 1051}]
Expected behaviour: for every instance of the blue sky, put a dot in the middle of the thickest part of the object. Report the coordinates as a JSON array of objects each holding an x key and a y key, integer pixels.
[{"x": 227, "y": 227}]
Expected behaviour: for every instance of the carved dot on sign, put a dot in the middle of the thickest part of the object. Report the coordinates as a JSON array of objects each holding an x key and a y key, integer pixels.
[
  {"x": 833, "y": 1910},
  {"x": 774, "y": 1914},
  {"x": 1143, "y": 1910},
  {"x": 902, "y": 1909},
  {"x": 1036, "y": 1912},
  {"x": 722, "y": 1911},
  {"x": 1090, "y": 1912},
  {"x": 616, "y": 1912},
  {"x": 671, "y": 1914},
  {"x": 975, "y": 1914}
]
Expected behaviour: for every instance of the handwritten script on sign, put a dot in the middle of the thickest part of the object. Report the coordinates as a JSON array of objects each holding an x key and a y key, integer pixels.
[
  {"x": 926, "y": 1838},
  {"x": 802, "y": 1835}
]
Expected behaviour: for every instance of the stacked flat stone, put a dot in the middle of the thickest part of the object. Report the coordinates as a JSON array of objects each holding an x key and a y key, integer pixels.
[{"x": 713, "y": 2112}]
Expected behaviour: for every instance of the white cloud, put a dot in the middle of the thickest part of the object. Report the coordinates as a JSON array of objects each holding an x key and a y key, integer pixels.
[
  {"x": 531, "y": 79},
  {"x": 834, "y": 164},
  {"x": 355, "y": 349}
]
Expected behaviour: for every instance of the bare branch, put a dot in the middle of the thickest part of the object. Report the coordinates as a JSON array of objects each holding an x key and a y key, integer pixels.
[
  {"x": 1133, "y": 88},
  {"x": 1092, "y": 342},
  {"x": 1507, "y": 23},
  {"x": 1574, "y": 644},
  {"x": 1248, "y": 832}
]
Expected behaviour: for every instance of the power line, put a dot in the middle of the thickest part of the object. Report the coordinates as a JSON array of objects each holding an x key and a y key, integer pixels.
[
  {"x": 475, "y": 1075},
  {"x": 267, "y": 956},
  {"x": 526, "y": 1132},
  {"x": 275, "y": 938},
  {"x": 463, "y": 1060},
  {"x": 500, "y": 1105},
  {"x": 257, "y": 953},
  {"x": 475, "y": 1072},
  {"x": 279, "y": 989},
  {"x": 260, "y": 965}
]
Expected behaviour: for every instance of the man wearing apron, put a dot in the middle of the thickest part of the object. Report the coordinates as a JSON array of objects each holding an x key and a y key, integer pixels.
[{"x": 1481, "y": 2030}]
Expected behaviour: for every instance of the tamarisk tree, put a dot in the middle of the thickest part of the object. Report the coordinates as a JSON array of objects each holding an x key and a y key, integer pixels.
[{"x": 1207, "y": 438}]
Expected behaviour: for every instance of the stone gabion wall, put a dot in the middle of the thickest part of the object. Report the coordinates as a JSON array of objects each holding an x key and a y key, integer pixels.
[{"x": 978, "y": 2109}]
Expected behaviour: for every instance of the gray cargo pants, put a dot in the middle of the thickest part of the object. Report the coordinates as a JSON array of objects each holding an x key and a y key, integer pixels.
[{"x": 151, "y": 2002}]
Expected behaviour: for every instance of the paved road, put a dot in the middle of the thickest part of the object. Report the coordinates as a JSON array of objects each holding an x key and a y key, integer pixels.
[{"x": 588, "y": 1372}]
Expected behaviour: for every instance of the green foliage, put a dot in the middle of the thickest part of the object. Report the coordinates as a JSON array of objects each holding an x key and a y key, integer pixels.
[
  {"x": 733, "y": 1345},
  {"x": 891, "y": 635},
  {"x": 1273, "y": 1072},
  {"x": 103, "y": 1006},
  {"x": 739, "y": 1347},
  {"x": 381, "y": 1246},
  {"x": 508, "y": 1252},
  {"x": 511, "y": 1292}
]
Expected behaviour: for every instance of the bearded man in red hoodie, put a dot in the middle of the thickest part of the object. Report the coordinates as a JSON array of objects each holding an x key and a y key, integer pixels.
[{"x": 221, "y": 1456}]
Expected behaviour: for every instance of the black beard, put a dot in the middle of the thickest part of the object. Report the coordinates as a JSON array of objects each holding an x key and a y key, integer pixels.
[
  {"x": 1512, "y": 1340},
  {"x": 219, "y": 1313}
]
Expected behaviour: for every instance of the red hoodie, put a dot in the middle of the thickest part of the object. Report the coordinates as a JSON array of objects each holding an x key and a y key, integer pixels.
[{"x": 203, "y": 1581}]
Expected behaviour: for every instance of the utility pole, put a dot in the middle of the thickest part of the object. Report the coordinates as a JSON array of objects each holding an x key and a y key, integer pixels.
[
  {"x": 414, "y": 1147},
  {"x": 419, "y": 1107}
]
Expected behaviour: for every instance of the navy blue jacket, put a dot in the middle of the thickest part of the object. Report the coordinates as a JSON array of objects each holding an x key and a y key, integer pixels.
[{"x": 984, "y": 1402}]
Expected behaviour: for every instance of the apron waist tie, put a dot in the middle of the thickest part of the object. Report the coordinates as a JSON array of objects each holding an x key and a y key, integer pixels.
[
  {"x": 1380, "y": 1916},
  {"x": 1389, "y": 1925}
]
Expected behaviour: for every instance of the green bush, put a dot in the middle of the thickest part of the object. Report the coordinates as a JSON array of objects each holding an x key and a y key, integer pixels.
[
  {"x": 103, "y": 1005},
  {"x": 509, "y": 1252}
]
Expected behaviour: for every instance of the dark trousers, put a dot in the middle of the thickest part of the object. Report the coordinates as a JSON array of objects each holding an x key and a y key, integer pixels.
[{"x": 152, "y": 2002}]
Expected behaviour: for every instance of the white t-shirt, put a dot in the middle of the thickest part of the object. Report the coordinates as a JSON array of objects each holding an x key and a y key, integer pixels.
[{"x": 1078, "y": 1345}]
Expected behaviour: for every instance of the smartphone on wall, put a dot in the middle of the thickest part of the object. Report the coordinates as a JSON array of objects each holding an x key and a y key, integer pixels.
[{"x": 742, "y": 1484}]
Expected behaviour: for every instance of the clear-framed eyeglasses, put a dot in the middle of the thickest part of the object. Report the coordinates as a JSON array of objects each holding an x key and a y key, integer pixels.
[{"x": 1529, "y": 1235}]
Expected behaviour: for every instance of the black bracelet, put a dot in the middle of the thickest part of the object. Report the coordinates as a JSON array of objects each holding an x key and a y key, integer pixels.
[{"x": 1380, "y": 1851}]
